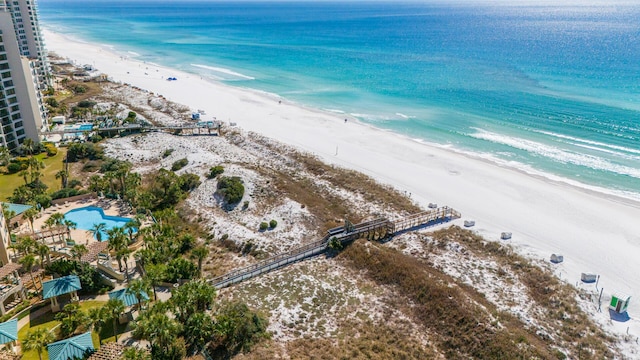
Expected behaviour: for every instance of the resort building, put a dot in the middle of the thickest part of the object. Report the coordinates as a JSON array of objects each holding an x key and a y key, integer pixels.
[
  {"x": 24, "y": 14},
  {"x": 5, "y": 237},
  {"x": 21, "y": 108}
]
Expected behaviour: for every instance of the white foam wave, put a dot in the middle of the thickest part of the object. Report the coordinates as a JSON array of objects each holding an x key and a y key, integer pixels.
[
  {"x": 403, "y": 116},
  {"x": 590, "y": 142},
  {"x": 223, "y": 71},
  {"x": 557, "y": 154},
  {"x": 532, "y": 171},
  {"x": 335, "y": 111},
  {"x": 134, "y": 53}
]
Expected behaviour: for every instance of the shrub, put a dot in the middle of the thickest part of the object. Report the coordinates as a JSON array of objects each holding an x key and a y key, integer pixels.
[
  {"x": 231, "y": 189},
  {"x": 13, "y": 168},
  {"x": 215, "y": 171},
  {"x": 243, "y": 328},
  {"x": 263, "y": 226},
  {"x": 179, "y": 164},
  {"x": 90, "y": 278},
  {"x": 167, "y": 153},
  {"x": 51, "y": 150},
  {"x": 273, "y": 224},
  {"x": 180, "y": 268},
  {"x": 52, "y": 102},
  {"x": 86, "y": 104},
  {"x": 65, "y": 193},
  {"x": 189, "y": 182}
]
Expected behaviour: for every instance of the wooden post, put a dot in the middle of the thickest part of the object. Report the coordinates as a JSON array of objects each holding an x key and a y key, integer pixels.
[{"x": 600, "y": 300}]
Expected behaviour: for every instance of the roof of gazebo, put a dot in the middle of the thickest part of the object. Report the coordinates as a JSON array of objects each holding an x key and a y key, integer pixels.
[{"x": 9, "y": 269}]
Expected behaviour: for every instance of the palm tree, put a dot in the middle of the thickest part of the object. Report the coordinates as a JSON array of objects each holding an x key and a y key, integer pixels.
[
  {"x": 70, "y": 226},
  {"x": 97, "y": 319},
  {"x": 199, "y": 329},
  {"x": 57, "y": 219},
  {"x": 199, "y": 253},
  {"x": 43, "y": 251},
  {"x": 27, "y": 146},
  {"x": 114, "y": 308},
  {"x": 97, "y": 230},
  {"x": 155, "y": 274},
  {"x": 158, "y": 328},
  {"x": 133, "y": 353},
  {"x": 28, "y": 262},
  {"x": 37, "y": 340},
  {"x": 31, "y": 214},
  {"x": 123, "y": 253},
  {"x": 131, "y": 227},
  {"x": 63, "y": 175},
  {"x": 78, "y": 251},
  {"x": 118, "y": 244},
  {"x": 138, "y": 287},
  {"x": 25, "y": 176}
]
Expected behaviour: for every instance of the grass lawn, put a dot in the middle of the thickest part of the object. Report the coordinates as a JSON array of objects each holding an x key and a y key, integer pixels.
[
  {"x": 48, "y": 321},
  {"x": 8, "y": 183}
]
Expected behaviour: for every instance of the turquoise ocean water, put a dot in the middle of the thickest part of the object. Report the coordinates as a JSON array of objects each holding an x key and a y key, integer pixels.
[{"x": 552, "y": 90}]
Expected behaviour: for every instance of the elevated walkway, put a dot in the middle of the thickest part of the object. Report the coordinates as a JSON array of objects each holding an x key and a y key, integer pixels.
[{"x": 377, "y": 229}]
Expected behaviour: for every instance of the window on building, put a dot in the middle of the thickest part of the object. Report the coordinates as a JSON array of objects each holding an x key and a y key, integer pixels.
[
  {"x": 20, "y": 132},
  {"x": 8, "y": 83},
  {"x": 6, "y": 74}
]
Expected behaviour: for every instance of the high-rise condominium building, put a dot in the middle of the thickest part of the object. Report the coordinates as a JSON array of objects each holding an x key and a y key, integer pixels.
[
  {"x": 21, "y": 109},
  {"x": 24, "y": 15}
]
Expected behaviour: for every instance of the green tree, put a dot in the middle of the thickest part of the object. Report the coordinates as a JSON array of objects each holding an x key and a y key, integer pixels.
[
  {"x": 97, "y": 319},
  {"x": 30, "y": 214},
  {"x": 131, "y": 227},
  {"x": 118, "y": 244},
  {"x": 133, "y": 353},
  {"x": 198, "y": 330},
  {"x": 78, "y": 251},
  {"x": 231, "y": 189},
  {"x": 114, "y": 308},
  {"x": 160, "y": 330},
  {"x": 138, "y": 287},
  {"x": 215, "y": 171},
  {"x": 37, "y": 340},
  {"x": 71, "y": 318},
  {"x": 63, "y": 175},
  {"x": 155, "y": 274},
  {"x": 193, "y": 297},
  {"x": 97, "y": 230},
  {"x": 199, "y": 254},
  {"x": 180, "y": 269},
  {"x": 28, "y": 262},
  {"x": 43, "y": 252},
  {"x": 238, "y": 328}
]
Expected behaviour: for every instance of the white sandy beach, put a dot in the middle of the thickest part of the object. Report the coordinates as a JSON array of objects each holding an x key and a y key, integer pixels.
[{"x": 595, "y": 233}]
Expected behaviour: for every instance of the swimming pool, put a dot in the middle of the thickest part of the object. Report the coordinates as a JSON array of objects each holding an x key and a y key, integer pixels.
[{"x": 86, "y": 217}]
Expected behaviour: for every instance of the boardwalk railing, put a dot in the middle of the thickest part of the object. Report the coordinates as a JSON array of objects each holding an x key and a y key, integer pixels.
[{"x": 377, "y": 228}]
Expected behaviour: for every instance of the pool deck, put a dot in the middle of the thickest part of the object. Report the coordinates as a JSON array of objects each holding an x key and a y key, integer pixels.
[{"x": 110, "y": 207}]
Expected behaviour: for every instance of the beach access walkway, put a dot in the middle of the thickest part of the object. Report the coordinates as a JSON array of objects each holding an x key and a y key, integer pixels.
[
  {"x": 377, "y": 229},
  {"x": 175, "y": 130}
]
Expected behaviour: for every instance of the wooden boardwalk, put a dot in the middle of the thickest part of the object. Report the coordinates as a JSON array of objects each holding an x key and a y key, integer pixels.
[
  {"x": 373, "y": 230},
  {"x": 176, "y": 130}
]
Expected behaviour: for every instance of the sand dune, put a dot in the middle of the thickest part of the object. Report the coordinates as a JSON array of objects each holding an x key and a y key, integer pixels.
[{"x": 595, "y": 233}]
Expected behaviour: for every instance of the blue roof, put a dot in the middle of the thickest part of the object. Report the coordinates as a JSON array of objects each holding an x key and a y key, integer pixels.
[
  {"x": 61, "y": 285},
  {"x": 9, "y": 331},
  {"x": 127, "y": 296},
  {"x": 16, "y": 208},
  {"x": 71, "y": 348}
]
